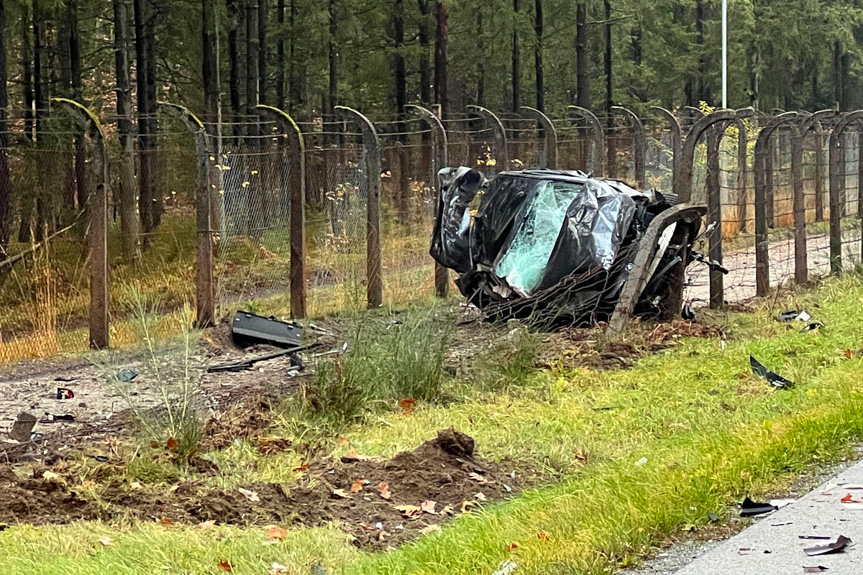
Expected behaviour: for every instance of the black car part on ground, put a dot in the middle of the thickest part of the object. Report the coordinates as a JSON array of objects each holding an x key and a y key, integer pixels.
[
  {"x": 553, "y": 247},
  {"x": 249, "y": 329}
]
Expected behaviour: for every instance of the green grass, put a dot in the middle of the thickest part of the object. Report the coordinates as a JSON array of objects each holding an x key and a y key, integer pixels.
[{"x": 710, "y": 433}]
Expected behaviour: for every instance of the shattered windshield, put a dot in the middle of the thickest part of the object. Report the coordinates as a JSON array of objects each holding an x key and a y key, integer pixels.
[{"x": 524, "y": 263}]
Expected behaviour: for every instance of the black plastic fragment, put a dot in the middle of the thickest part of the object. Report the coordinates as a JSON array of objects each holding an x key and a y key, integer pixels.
[
  {"x": 812, "y": 327},
  {"x": 688, "y": 313},
  {"x": 837, "y": 546},
  {"x": 249, "y": 329},
  {"x": 65, "y": 393},
  {"x": 775, "y": 379},
  {"x": 816, "y": 569},
  {"x": 247, "y": 364},
  {"x": 127, "y": 375},
  {"x": 751, "y": 508}
]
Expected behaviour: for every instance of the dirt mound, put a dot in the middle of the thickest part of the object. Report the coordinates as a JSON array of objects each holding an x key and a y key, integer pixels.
[
  {"x": 41, "y": 501},
  {"x": 380, "y": 503},
  {"x": 353, "y": 492}
]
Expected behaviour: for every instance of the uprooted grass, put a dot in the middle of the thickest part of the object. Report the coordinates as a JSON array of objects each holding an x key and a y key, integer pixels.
[
  {"x": 390, "y": 358},
  {"x": 708, "y": 430}
]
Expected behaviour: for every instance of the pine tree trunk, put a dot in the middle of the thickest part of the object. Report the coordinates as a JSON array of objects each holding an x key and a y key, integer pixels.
[
  {"x": 703, "y": 86},
  {"x": 401, "y": 96},
  {"x": 538, "y": 26},
  {"x": 78, "y": 96},
  {"x": 333, "y": 54},
  {"x": 146, "y": 197},
  {"x": 611, "y": 148},
  {"x": 425, "y": 52},
  {"x": 581, "y": 57},
  {"x": 128, "y": 212},
  {"x": 441, "y": 56},
  {"x": 235, "y": 73},
  {"x": 5, "y": 184},
  {"x": 516, "y": 59},
  {"x": 253, "y": 52},
  {"x": 480, "y": 62},
  {"x": 27, "y": 74},
  {"x": 263, "y": 74},
  {"x": 209, "y": 69},
  {"x": 297, "y": 73},
  {"x": 280, "y": 56}
]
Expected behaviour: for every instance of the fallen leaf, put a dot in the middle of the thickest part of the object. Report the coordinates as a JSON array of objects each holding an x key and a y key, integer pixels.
[
  {"x": 409, "y": 510},
  {"x": 357, "y": 486},
  {"x": 448, "y": 510},
  {"x": 106, "y": 541},
  {"x": 382, "y": 535},
  {"x": 465, "y": 505},
  {"x": 580, "y": 456},
  {"x": 50, "y": 476},
  {"x": 384, "y": 491},
  {"x": 407, "y": 405},
  {"x": 341, "y": 494},
  {"x": 172, "y": 444},
  {"x": 166, "y": 522},
  {"x": 512, "y": 547},
  {"x": 276, "y": 532},
  {"x": 225, "y": 565},
  {"x": 480, "y": 497},
  {"x": 278, "y": 569},
  {"x": 250, "y": 495},
  {"x": 848, "y": 353},
  {"x": 850, "y": 499},
  {"x": 136, "y": 486},
  {"x": 543, "y": 536},
  {"x": 154, "y": 444},
  {"x": 206, "y": 525},
  {"x": 359, "y": 457},
  {"x": 302, "y": 468},
  {"x": 428, "y": 507},
  {"x": 478, "y": 478}
]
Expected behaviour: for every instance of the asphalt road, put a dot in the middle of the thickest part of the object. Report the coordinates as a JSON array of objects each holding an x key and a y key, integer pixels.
[{"x": 772, "y": 545}]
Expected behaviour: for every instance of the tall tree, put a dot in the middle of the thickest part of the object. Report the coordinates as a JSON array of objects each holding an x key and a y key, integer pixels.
[
  {"x": 425, "y": 52},
  {"x": 280, "y": 56},
  {"x": 5, "y": 184},
  {"x": 263, "y": 73},
  {"x": 253, "y": 55},
  {"x": 516, "y": 57},
  {"x": 441, "y": 72},
  {"x": 235, "y": 64},
  {"x": 539, "y": 74},
  {"x": 581, "y": 56},
  {"x": 27, "y": 72},
  {"x": 609, "y": 60},
  {"x": 333, "y": 54},
  {"x": 149, "y": 201},
  {"x": 128, "y": 213},
  {"x": 210, "y": 60}
]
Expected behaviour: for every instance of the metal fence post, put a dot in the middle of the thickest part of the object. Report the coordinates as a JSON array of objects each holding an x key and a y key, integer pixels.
[
  {"x": 742, "y": 183},
  {"x": 100, "y": 295},
  {"x": 501, "y": 155},
  {"x": 762, "y": 152},
  {"x": 801, "y": 263},
  {"x": 597, "y": 157},
  {"x": 683, "y": 183},
  {"x": 639, "y": 144},
  {"x": 441, "y": 160},
  {"x": 836, "y": 160},
  {"x": 549, "y": 152},
  {"x": 297, "y": 194},
  {"x": 372, "y": 145},
  {"x": 819, "y": 172},
  {"x": 205, "y": 301}
]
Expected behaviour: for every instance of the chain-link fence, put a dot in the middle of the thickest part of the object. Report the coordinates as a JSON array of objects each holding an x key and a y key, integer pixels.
[{"x": 783, "y": 208}]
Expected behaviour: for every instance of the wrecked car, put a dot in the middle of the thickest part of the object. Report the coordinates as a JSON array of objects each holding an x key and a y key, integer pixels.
[{"x": 558, "y": 247}]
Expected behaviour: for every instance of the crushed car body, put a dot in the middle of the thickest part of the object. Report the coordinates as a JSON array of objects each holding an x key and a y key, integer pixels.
[{"x": 558, "y": 247}]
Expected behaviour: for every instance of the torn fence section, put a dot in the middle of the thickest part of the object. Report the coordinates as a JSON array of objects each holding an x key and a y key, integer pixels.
[{"x": 554, "y": 247}]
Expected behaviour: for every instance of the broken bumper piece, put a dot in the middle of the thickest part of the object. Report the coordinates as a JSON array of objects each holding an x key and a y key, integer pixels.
[{"x": 558, "y": 247}]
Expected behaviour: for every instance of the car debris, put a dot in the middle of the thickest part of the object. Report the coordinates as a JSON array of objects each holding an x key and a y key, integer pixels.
[
  {"x": 775, "y": 379},
  {"x": 793, "y": 315},
  {"x": 22, "y": 427},
  {"x": 557, "y": 248},
  {"x": 837, "y": 546},
  {"x": 127, "y": 375},
  {"x": 247, "y": 364},
  {"x": 248, "y": 329},
  {"x": 51, "y": 418},
  {"x": 65, "y": 393},
  {"x": 751, "y": 508},
  {"x": 812, "y": 327},
  {"x": 816, "y": 569}
]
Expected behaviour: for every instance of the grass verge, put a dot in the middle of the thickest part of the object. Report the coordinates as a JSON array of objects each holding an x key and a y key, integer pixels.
[{"x": 629, "y": 457}]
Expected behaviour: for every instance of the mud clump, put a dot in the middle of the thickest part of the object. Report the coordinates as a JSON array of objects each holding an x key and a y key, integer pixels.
[
  {"x": 455, "y": 443},
  {"x": 41, "y": 502}
]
